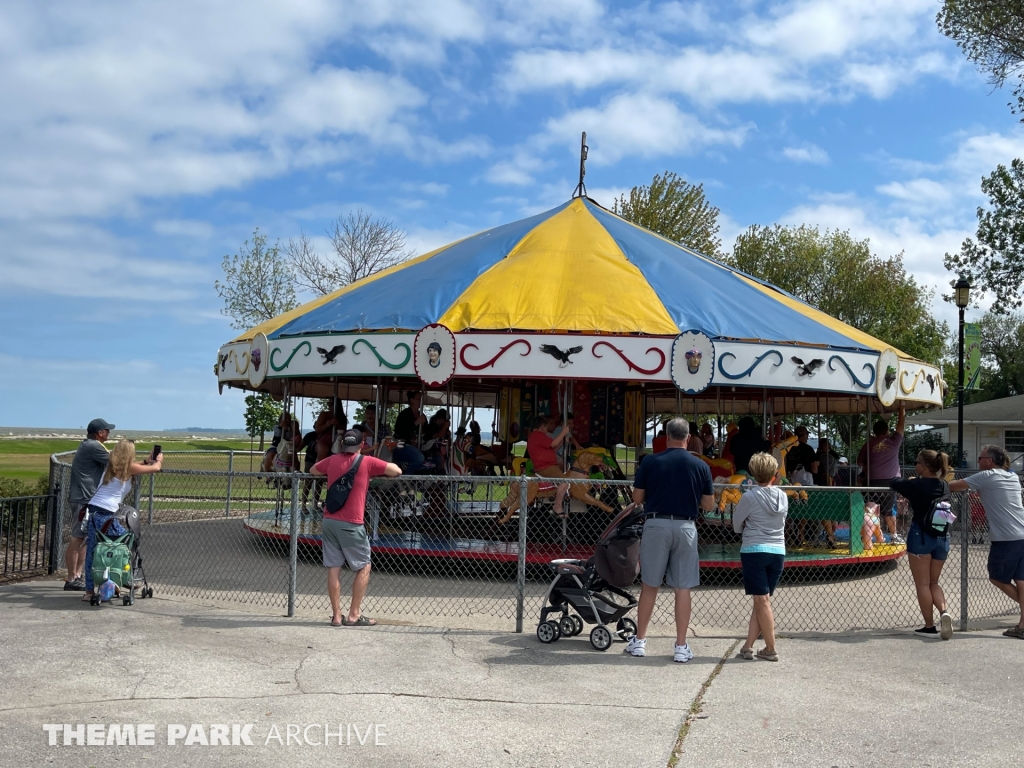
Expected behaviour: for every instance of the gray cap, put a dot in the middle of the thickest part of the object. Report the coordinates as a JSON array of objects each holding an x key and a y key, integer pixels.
[
  {"x": 351, "y": 441},
  {"x": 98, "y": 425}
]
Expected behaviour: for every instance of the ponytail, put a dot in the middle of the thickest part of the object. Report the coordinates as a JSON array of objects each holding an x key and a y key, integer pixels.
[{"x": 937, "y": 462}]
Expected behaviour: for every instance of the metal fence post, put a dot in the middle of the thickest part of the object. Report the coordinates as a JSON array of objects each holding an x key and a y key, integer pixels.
[
  {"x": 151, "y": 480},
  {"x": 521, "y": 556},
  {"x": 231, "y": 469},
  {"x": 52, "y": 518},
  {"x": 965, "y": 522},
  {"x": 293, "y": 546}
]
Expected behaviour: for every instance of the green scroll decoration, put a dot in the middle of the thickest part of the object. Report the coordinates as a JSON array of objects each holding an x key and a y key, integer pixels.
[
  {"x": 275, "y": 350},
  {"x": 381, "y": 360}
]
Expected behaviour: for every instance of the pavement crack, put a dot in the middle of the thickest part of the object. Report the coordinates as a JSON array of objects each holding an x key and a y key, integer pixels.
[
  {"x": 696, "y": 707},
  {"x": 298, "y": 669},
  {"x": 341, "y": 694},
  {"x": 138, "y": 685}
]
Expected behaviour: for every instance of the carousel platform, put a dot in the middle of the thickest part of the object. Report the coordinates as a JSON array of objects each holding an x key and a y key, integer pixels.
[{"x": 399, "y": 538}]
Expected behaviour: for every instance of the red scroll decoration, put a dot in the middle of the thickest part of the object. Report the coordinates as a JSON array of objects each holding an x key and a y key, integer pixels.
[
  {"x": 493, "y": 360},
  {"x": 633, "y": 366}
]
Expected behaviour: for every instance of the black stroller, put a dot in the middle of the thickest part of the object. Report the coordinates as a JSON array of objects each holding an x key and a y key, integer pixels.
[
  {"x": 595, "y": 589},
  {"x": 123, "y": 550}
]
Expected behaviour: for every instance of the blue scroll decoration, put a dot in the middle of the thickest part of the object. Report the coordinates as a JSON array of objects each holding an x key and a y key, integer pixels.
[
  {"x": 750, "y": 370},
  {"x": 275, "y": 350},
  {"x": 870, "y": 369}
]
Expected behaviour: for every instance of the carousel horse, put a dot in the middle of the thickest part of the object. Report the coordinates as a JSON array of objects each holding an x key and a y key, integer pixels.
[{"x": 581, "y": 467}]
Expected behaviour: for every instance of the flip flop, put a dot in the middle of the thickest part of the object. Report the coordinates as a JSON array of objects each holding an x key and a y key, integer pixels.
[{"x": 362, "y": 621}]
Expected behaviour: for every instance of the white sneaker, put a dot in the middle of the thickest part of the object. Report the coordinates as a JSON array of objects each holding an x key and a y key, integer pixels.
[
  {"x": 636, "y": 646},
  {"x": 945, "y": 626},
  {"x": 682, "y": 654}
]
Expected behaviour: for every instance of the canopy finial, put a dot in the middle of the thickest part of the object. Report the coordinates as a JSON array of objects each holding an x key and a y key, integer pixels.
[{"x": 581, "y": 189}]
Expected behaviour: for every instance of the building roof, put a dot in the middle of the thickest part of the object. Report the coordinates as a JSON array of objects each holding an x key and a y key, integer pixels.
[{"x": 1006, "y": 410}]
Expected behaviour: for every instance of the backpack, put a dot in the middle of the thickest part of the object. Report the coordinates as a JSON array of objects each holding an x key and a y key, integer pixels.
[
  {"x": 338, "y": 493},
  {"x": 940, "y": 515},
  {"x": 112, "y": 557}
]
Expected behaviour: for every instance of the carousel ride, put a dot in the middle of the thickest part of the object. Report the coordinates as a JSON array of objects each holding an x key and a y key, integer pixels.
[{"x": 574, "y": 310}]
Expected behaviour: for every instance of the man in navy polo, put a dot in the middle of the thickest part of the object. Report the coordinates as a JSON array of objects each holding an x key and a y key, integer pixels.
[{"x": 674, "y": 486}]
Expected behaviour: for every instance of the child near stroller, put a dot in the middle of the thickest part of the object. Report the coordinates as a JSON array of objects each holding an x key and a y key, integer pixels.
[{"x": 596, "y": 589}]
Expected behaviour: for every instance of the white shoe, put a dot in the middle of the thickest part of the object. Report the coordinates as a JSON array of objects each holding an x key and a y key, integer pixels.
[
  {"x": 636, "y": 646},
  {"x": 945, "y": 626},
  {"x": 682, "y": 654}
]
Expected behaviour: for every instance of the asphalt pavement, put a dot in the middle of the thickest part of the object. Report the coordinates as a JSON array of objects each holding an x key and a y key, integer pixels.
[{"x": 210, "y": 679}]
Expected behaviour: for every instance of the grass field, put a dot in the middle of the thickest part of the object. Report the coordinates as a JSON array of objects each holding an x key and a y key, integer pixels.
[{"x": 28, "y": 460}]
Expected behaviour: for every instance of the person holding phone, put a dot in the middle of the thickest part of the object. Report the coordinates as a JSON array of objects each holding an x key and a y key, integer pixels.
[{"x": 103, "y": 506}]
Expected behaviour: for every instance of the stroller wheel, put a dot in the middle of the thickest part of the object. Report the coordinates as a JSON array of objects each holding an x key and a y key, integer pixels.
[
  {"x": 567, "y": 626},
  {"x": 626, "y": 628},
  {"x": 147, "y": 592},
  {"x": 94, "y": 600},
  {"x": 601, "y": 638},
  {"x": 548, "y": 632},
  {"x": 579, "y": 625}
]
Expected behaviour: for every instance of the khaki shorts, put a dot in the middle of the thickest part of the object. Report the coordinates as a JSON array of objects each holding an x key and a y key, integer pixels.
[
  {"x": 345, "y": 544},
  {"x": 77, "y": 520}
]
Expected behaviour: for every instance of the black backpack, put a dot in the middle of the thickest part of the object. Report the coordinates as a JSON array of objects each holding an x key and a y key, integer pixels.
[
  {"x": 338, "y": 493},
  {"x": 940, "y": 515}
]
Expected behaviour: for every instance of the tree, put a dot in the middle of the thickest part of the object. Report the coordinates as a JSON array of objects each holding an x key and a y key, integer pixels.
[
  {"x": 837, "y": 274},
  {"x": 257, "y": 283},
  {"x": 991, "y": 35},
  {"x": 1002, "y": 357},
  {"x": 261, "y": 415},
  {"x": 362, "y": 246},
  {"x": 674, "y": 209},
  {"x": 996, "y": 261}
]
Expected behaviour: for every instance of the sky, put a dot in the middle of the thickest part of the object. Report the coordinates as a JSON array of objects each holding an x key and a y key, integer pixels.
[{"x": 142, "y": 142}]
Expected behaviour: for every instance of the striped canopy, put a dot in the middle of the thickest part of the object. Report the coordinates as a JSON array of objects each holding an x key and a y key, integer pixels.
[{"x": 577, "y": 267}]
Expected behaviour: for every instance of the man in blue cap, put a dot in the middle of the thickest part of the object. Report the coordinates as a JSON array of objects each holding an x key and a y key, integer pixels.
[{"x": 87, "y": 470}]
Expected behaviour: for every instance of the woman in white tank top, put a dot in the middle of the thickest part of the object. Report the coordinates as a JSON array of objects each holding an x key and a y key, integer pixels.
[{"x": 103, "y": 506}]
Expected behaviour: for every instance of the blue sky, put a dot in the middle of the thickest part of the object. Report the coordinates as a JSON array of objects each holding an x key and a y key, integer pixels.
[{"x": 141, "y": 142}]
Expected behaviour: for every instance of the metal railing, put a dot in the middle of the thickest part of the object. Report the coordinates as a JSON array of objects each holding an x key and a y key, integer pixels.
[
  {"x": 24, "y": 535},
  {"x": 475, "y": 550}
]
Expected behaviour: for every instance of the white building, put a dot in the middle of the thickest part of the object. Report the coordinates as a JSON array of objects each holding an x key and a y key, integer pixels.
[{"x": 995, "y": 422}]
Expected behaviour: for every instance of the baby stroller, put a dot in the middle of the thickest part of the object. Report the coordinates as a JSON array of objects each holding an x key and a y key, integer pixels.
[
  {"x": 591, "y": 588},
  {"x": 119, "y": 557}
]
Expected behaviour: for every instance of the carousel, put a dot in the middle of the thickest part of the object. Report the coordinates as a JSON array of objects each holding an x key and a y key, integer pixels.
[{"x": 574, "y": 310}]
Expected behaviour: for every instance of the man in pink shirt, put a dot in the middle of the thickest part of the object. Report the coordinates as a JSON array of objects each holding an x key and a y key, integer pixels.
[
  {"x": 343, "y": 533},
  {"x": 879, "y": 461}
]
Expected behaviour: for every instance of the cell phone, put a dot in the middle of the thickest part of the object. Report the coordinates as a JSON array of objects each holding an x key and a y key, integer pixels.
[{"x": 156, "y": 452}]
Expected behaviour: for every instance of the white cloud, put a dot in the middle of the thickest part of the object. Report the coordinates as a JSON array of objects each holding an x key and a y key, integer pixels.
[
  {"x": 637, "y": 125},
  {"x": 183, "y": 228},
  {"x": 807, "y": 153}
]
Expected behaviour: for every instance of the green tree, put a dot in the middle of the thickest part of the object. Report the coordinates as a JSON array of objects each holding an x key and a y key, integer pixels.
[
  {"x": 837, "y": 274},
  {"x": 675, "y": 209},
  {"x": 258, "y": 283},
  {"x": 1002, "y": 357},
  {"x": 261, "y": 415},
  {"x": 991, "y": 35},
  {"x": 995, "y": 262}
]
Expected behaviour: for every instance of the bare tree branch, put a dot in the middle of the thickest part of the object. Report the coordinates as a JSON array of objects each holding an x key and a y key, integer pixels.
[{"x": 362, "y": 245}]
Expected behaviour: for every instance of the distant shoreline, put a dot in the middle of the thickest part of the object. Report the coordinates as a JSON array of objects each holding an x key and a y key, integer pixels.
[{"x": 50, "y": 433}]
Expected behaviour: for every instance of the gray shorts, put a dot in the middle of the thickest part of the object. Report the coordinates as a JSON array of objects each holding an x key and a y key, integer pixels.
[
  {"x": 668, "y": 553},
  {"x": 345, "y": 543},
  {"x": 77, "y": 520}
]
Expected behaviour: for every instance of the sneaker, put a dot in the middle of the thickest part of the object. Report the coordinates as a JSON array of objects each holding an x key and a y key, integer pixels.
[
  {"x": 946, "y": 623},
  {"x": 926, "y": 631},
  {"x": 78, "y": 585},
  {"x": 636, "y": 646},
  {"x": 897, "y": 539},
  {"x": 682, "y": 654}
]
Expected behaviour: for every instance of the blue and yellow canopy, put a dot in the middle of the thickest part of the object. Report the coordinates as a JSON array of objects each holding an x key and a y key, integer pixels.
[{"x": 577, "y": 267}]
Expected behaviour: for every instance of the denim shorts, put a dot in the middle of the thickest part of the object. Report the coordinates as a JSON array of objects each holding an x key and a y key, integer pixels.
[
  {"x": 1006, "y": 561},
  {"x": 761, "y": 572},
  {"x": 920, "y": 543}
]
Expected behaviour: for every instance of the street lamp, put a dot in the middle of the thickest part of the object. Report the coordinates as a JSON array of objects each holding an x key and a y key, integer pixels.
[{"x": 962, "y": 297}]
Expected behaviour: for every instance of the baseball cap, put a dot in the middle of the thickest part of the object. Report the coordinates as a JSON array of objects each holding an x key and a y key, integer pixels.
[
  {"x": 844, "y": 460},
  {"x": 351, "y": 441},
  {"x": 98, "y": 425}
]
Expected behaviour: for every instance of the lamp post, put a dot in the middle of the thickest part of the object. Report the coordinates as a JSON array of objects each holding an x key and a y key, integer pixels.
[{"x": 962, "y": 297}]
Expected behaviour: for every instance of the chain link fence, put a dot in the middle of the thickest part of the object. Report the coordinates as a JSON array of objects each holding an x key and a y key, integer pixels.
[{"x": 468, "y": 548}]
